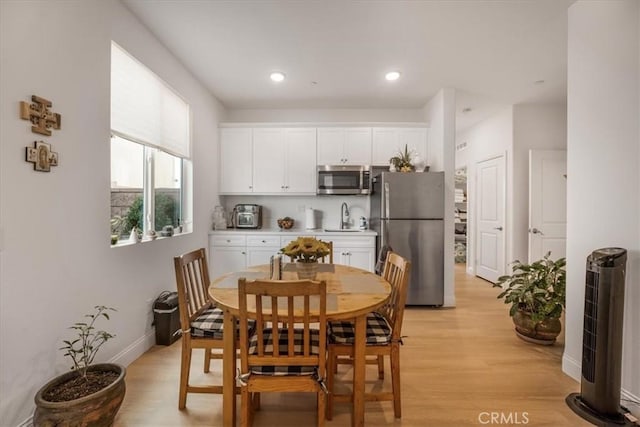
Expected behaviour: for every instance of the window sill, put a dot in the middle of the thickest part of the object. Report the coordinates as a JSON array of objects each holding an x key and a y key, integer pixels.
[{"x": 122, "y": 243}]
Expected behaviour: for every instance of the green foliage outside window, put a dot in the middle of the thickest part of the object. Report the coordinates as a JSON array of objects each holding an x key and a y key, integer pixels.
[{"x": 166, "y": 213}]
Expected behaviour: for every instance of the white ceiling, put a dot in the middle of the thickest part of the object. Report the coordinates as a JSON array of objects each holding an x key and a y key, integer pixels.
[{"x": 492, "y": 52}]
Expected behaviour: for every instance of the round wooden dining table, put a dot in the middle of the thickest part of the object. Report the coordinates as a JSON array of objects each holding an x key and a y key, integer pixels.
[{"x": 351, "y": 294}]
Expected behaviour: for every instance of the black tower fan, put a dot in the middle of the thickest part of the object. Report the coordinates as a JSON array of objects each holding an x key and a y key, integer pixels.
[{"x": 599, "y": 399}]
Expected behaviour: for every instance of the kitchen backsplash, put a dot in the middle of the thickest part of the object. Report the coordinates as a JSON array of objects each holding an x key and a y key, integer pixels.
[{"x": 327, "y": 209}]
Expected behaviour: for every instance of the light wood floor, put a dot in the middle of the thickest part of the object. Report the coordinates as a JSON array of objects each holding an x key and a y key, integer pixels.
[{"x": 458, "y": 367}]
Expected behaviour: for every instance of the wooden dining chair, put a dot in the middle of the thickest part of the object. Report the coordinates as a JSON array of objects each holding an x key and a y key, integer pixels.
[
  {"x": 297, "y": 362},
  {"x": 200, "y": 321},
  {"x": 328, "y": 258},
  {"x": 384, "y": 329}
]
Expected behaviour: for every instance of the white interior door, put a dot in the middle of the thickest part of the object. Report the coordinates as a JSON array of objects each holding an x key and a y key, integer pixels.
[
  {"x": 490, "y": 232},
  {"x": 547, "y": 203}
]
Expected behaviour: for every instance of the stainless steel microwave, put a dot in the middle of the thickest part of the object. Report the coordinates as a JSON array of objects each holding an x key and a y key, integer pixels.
[{"x": 344, "y": 180}]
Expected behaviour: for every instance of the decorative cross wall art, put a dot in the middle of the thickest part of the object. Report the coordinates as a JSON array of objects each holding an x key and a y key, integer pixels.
[
  {"x": 41, "y": 156},
  {"x": 40, "y": 116}
]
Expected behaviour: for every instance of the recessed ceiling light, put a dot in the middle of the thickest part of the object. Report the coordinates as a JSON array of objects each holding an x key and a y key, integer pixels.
[
  {"x": 277, "y": 76},
  {"x": 538, "y": 82},
  {"x": 392, "y": 75}
]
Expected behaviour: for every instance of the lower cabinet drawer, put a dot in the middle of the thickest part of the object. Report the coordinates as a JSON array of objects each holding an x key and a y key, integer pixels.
[
  {"x": 220, "y": 241},
  {"x": 260, "y": 241}
]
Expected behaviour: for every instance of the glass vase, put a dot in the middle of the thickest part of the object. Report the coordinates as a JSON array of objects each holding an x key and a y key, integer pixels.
[{"x": 307, "y": 270}]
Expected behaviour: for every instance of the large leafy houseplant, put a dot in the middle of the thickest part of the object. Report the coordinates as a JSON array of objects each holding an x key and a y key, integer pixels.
[
  {"x": 536, "y": 293},
  {"x": 538, "y": 289}
]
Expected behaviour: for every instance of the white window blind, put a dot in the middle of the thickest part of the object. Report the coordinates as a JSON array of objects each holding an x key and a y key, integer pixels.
[{"x": 144, "y": 109}]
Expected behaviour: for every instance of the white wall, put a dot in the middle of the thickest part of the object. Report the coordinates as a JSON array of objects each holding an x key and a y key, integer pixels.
[
  {"x": 535, "y": 127},
  {"x": 325, "y": 115},
  {"x": 603, "y": 196},
  {"x": 488, "y": 139},
  {"x": 55, "y": 261},
  {"x": 439, "y": 112}
]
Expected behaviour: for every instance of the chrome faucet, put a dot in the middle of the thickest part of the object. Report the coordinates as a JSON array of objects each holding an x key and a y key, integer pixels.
[{"x": 344, "y": 213}]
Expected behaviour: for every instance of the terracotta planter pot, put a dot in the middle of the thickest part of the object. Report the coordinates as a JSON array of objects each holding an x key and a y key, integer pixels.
[
  {"x": 98, "y": 409},
  {"x": 543, "y": 332}
]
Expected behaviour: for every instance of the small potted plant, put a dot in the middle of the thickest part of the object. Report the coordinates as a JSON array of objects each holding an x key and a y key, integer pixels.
[
  {"x": 306, "y": 251},
  {"x": 90, "y": 394},
  {"x": 116, "y": 228},
  {"x": 537, "y": 294},
  {"x": 402, "y": 161}
]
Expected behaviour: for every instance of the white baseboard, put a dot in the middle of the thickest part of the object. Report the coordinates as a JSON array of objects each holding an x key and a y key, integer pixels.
[
  {"x": 135, "y": 350},
  {"x": 449, "y": 301},
  {"x": 27, "y": 423},
  {"x": 571, "y": 367},
  {"x": 631, "y": 406}
]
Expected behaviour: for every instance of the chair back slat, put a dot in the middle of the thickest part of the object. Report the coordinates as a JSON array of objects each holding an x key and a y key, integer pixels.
[
  {"x": 396, "y": 272},
  {"x": 328, "y": 258},
  {"x": 285, "y": 309},
  {"x": 192, "y": 280}
]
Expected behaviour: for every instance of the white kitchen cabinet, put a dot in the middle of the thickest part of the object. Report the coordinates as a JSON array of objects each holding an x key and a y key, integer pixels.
[
  {"x": 363, "y": 258},
  {"x": 236, "y": 250},
  {"x": 359, "y": 258},
  {"x": 344, "y": 146},
  {"x": 300, "y": 155},
  {"x": 260, "y": 247},
  {"x": 227, "y": 252},
  {"x": 285, "y": 160},
  {"x": 269, "y": 152},
  {"x": 236, "y": 161},
  {"x": 226, "y": 259},
  {"x": 389, "y": 141}
]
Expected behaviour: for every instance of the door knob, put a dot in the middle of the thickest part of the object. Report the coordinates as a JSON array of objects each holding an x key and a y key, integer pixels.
[
  {"x": 497, "y": 228},
  {"x": 536, "y": 231}
]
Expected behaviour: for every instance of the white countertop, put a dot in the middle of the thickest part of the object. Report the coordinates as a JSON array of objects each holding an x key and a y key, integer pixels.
[{"x": 295, "y": 231}]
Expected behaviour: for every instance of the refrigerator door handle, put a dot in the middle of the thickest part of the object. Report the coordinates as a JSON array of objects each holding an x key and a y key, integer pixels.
[
  {"x": 384, "y": 233},
  {"x": 385, "y": 200}
]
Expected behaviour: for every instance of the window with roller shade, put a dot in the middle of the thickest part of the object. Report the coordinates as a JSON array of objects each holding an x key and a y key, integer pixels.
[{"x": 150, "y": 151}]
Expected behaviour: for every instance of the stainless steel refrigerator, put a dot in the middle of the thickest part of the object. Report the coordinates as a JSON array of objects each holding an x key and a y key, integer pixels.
[{"x": 407, "y": 212}]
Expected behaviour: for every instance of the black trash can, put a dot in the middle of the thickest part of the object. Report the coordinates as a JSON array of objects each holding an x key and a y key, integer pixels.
[{"x": 166, "y": 318}]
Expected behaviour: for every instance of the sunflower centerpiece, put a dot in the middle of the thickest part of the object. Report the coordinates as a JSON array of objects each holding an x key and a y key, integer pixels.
[{"x": 306, "y": 251}]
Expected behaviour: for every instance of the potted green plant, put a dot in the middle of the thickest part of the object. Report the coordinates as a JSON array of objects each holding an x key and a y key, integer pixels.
[
  {"x": 402, "y": 161},
  {"x": 90, "y": 394},
  {"x": 116, "y": 228},
  {"x": 537, "y": 293}
]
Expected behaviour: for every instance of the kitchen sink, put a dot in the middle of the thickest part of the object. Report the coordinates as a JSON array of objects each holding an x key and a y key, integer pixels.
[{"x": 344, "y": 230}]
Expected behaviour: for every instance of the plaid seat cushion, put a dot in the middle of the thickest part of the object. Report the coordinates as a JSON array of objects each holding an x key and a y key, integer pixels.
[
  {"x": 378, "y": 331},
  {"x": 283, "y": 341},
  {"x": 209, "y": 324}
]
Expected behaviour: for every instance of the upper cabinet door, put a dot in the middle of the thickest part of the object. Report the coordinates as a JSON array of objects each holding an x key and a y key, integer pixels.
[
  {"x": 269, "y": 160},
  {"x": 344, "y": 146},
  {"x": 385, "y": 145},
  {"x": 300, "y": 155},
  {"x": 415, "y": 139},
  {"x": 235, "y": 161},
  {"x": 330, "y": 146},
  {"x": 357, "y": 146},
  {"x": 388, "y": 142}
]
